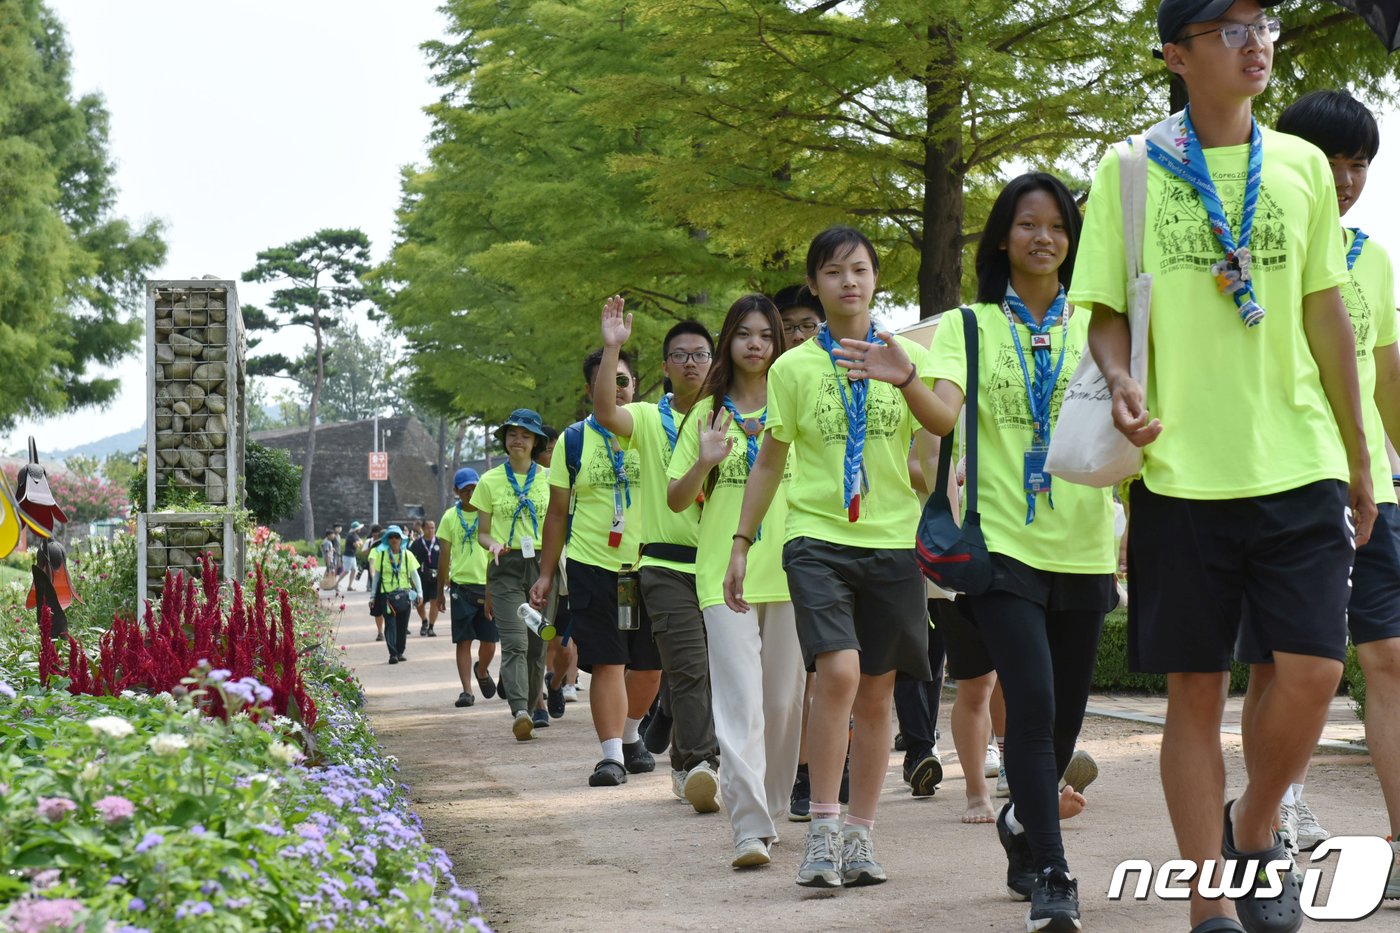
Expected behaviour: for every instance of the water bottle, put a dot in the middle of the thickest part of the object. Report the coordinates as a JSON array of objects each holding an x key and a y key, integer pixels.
[
  {"x": 535, "y": 622},
  {"x": 628, "y": 609}
]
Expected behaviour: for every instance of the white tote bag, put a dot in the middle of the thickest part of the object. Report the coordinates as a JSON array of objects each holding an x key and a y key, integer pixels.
[{"x": 1085, "y": 447}]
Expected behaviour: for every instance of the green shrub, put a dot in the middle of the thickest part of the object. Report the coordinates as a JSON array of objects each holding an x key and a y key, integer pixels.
[
  {"x": 1111, "y": 674},
  {"x": 273, "y": 484},
  {"x": 1356, "y": 683}
]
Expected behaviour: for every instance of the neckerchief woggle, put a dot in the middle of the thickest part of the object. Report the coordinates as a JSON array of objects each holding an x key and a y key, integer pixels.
[
  {"x": 468, "y": 531},
  {"x": 1040, "y": 391},
  {"x": 1358, "y": 240},
  {"x": 750, "y": 439},
  {"x": 668, "y": 419},
  {"x": 1174, "y": 146},
  {"x": 856, "y": 403},
  {"x": 523, "y": 501},
  {"x": 622, "y": 489}
]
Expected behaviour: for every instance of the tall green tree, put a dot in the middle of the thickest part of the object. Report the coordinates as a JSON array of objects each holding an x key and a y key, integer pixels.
[
  {"x": 321, "y": 276},
  {"x": 71, "y": 271}
]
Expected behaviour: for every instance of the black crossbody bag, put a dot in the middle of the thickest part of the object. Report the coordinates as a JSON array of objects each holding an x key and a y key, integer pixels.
[{"x": 955, "y": 556}]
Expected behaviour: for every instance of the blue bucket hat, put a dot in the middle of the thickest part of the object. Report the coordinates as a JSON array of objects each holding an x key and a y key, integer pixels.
[
  {"x": 465, "y": 477},
  {"x": 390, "y": 532},
  {"x": 522, "y": 418}
]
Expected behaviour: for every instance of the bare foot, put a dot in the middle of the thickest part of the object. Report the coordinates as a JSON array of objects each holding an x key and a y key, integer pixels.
[
  {"x": 979, "y": 810},
  {"x": 1072, "y": 803}
]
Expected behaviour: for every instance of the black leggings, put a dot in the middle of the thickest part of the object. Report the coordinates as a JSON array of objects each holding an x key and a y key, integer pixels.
[{"x": 1045, "y": 664}]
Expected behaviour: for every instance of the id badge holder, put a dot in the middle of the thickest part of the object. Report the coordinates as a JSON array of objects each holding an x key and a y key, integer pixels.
[
  {"x": 527, "y": 547},
  {"x": 619, "y": 522},
  {"x": 1037, "y": 481}
]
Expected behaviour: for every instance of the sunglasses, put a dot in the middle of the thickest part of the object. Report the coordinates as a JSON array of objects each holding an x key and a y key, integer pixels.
[{"x": 623, "y": 381}]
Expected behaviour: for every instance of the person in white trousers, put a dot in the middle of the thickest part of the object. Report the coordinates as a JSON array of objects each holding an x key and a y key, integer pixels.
[{"x": 756, "y": 673}]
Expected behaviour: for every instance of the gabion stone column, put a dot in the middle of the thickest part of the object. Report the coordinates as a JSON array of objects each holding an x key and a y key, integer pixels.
[{"x": 196, "y": 429}]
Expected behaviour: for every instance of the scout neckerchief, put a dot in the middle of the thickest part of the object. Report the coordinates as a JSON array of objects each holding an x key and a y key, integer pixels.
[
  {"x": 395, "y": 565},
  {"x": 468, "y": 531},
  {"x": 523, "y": 502},
  {"x": 856, "y": 403},
  {"x": 622, "y": 489},
  {"x": 1358, "y": 240},
  {"x": 1041, "y": 390},
  {"x": 1174, "y": 146},
  {"x": 752, "y": 428},
  {"x": 668, "y": 419}
]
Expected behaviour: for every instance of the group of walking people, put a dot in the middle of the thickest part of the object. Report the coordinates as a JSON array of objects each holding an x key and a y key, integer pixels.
[{"x": 756, "y": 526}]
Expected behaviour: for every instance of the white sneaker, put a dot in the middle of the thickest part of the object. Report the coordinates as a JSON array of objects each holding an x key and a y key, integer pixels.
[
  {"x": 678, "y": 784},
  {"x": 570, "y": 693},
  {"x": 750, "y": 853},
  {"x": 992, "y": 766},
  {"x": 523, "y": 726},
  {"x": 1003, "y": 786},
  {"x": 1308, "y": 831},
  {"x": 1288, "y": 828},
  {"x": 700, "y": 788}
]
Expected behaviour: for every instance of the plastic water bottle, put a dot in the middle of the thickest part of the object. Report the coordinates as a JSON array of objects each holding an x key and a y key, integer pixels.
[{"x": 535, "y": 622}]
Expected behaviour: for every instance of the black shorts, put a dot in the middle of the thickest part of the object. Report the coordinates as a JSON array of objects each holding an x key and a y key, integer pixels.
[
  {"x": 1197, "y": 568},
  {"x": 593, "y": 623},
  {"x": 430, "y": 585},
  {"x": 870, "y": 600},
  {"x": 967, "y": 653},
  {"x": 467, "y": 603}
]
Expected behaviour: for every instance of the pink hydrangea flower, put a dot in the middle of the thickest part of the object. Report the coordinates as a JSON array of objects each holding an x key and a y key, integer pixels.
[
  {"x": 40, "y": 915},
  {"x": 54, "y": 808},
  {"x": 115, "y": 809}
]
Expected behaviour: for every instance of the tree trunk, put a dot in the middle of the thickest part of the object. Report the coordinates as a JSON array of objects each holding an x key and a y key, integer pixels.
[
  {"x": 457, "y": 450},
  {"x": 444, "y": 468},
  {"x": 940, "y": 252},
  {"x": 308, "y": 515},
  {"x": 486, "y": 442}
]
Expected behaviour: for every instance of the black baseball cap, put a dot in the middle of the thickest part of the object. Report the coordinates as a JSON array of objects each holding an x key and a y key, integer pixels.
[{"x": 1174, "y": 15}]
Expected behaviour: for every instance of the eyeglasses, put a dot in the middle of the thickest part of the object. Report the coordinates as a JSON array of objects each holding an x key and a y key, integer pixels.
[
  {"x": 623, "y": 380},
  {"x": 680, "y": 356},
  {"x": 1236, "y": 35},
  {"x": 806, "y": 328}
]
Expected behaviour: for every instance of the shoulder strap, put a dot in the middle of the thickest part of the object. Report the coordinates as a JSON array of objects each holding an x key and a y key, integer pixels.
[
  {"x": 573, "y": 459},
  {"x": 1132, "y": 184},
  {"x": 945, "y": 450}
]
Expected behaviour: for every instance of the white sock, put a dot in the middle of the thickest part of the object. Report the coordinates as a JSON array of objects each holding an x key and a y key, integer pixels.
[
  {"x": 612, "y": 750},
  {"x": 630, "y": 732},
  {"x": 1295, "y": 791},
  {"x": 1011, "y": 824}
]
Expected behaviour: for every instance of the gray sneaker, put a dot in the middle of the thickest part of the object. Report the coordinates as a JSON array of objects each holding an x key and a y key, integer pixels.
[
  {"x": 1080, "y": 772},
  {"x": 1392, "y": 885},
  {"x": 701, "y": 786},
  {"x": 821, "y": 859},
  {"x": 858, "y": 860},
  {"x": 1307, "y": 831},
  {"x": 1288, "y": 827}
]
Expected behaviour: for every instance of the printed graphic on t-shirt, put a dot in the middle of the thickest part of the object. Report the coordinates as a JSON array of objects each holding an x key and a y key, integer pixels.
[
  {"x": 599, "y": 468},
  {"x": 734, "y": 469},
  {"x": 884, "y": 411},
  {"x": 1006, "y": 384},
  {"x": 1362, "y": 315},
  {"x": 1184, "y": 237}
]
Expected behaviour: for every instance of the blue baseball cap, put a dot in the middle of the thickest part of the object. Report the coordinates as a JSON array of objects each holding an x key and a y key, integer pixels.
[
  {"x": 522, "y": 418},
  {"x": 465, "y": 477}
]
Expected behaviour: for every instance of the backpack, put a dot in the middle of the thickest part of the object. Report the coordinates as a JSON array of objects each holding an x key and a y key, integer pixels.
[{"x": 573, "y": 459}]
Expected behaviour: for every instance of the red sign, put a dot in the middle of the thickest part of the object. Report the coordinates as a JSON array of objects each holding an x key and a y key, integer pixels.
[{"x": 379, "y": 466}]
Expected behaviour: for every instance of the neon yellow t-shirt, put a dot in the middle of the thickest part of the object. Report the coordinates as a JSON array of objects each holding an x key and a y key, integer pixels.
[
  {"x": 806, "y": 411},
  {"x": 468, "y": 557},
  {"x": 1242, "y": 409},
  {"x": 1369, "y": 293},
  {"x": 495, "y": 497},
  {"x": 659, "y": 524},
  {"x": 765, "y": 582},
  {"x": 593, "y": 504},
  {"x": 393, "y": 576},
  {"x": 1076, "y": 536}
]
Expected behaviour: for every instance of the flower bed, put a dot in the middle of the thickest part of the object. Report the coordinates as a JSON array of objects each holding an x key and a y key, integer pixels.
[{"x": 199, "y": 808}]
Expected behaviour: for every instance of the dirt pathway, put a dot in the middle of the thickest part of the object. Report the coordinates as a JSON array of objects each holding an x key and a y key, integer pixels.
[{"x": 548, "y": 853}]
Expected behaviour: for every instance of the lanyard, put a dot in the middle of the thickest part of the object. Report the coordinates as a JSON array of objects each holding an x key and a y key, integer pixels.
[
  {"x": 622, "y": 489},
  {"x": 1358, "y": 240},
  {"x": 668, "y": 419},
  {"x": 856, "y": 404},
  {"x": 523, "y": 501},
  {"x": 751, "y": 428},
  {"x": 1040, "y": 392},
  {"x": 1187, "y": 161},
  {"x": 468, "y": 531}
]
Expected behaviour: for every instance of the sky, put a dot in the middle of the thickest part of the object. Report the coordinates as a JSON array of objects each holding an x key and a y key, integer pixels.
[{"x": 246, "y": 125}]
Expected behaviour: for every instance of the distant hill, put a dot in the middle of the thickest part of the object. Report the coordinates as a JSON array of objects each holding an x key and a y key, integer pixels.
[{"x": 116, "y": 443}]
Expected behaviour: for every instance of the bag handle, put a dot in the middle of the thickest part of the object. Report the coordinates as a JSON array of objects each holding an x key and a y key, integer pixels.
[
  {"x": 945, "y": 449},
  {"x": 1132, "y": 187}
]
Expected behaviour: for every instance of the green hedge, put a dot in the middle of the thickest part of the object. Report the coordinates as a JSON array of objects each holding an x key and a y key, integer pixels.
[
  {"x": 1111, "y": 674},
  {"x": 1355, "y": 682}
]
